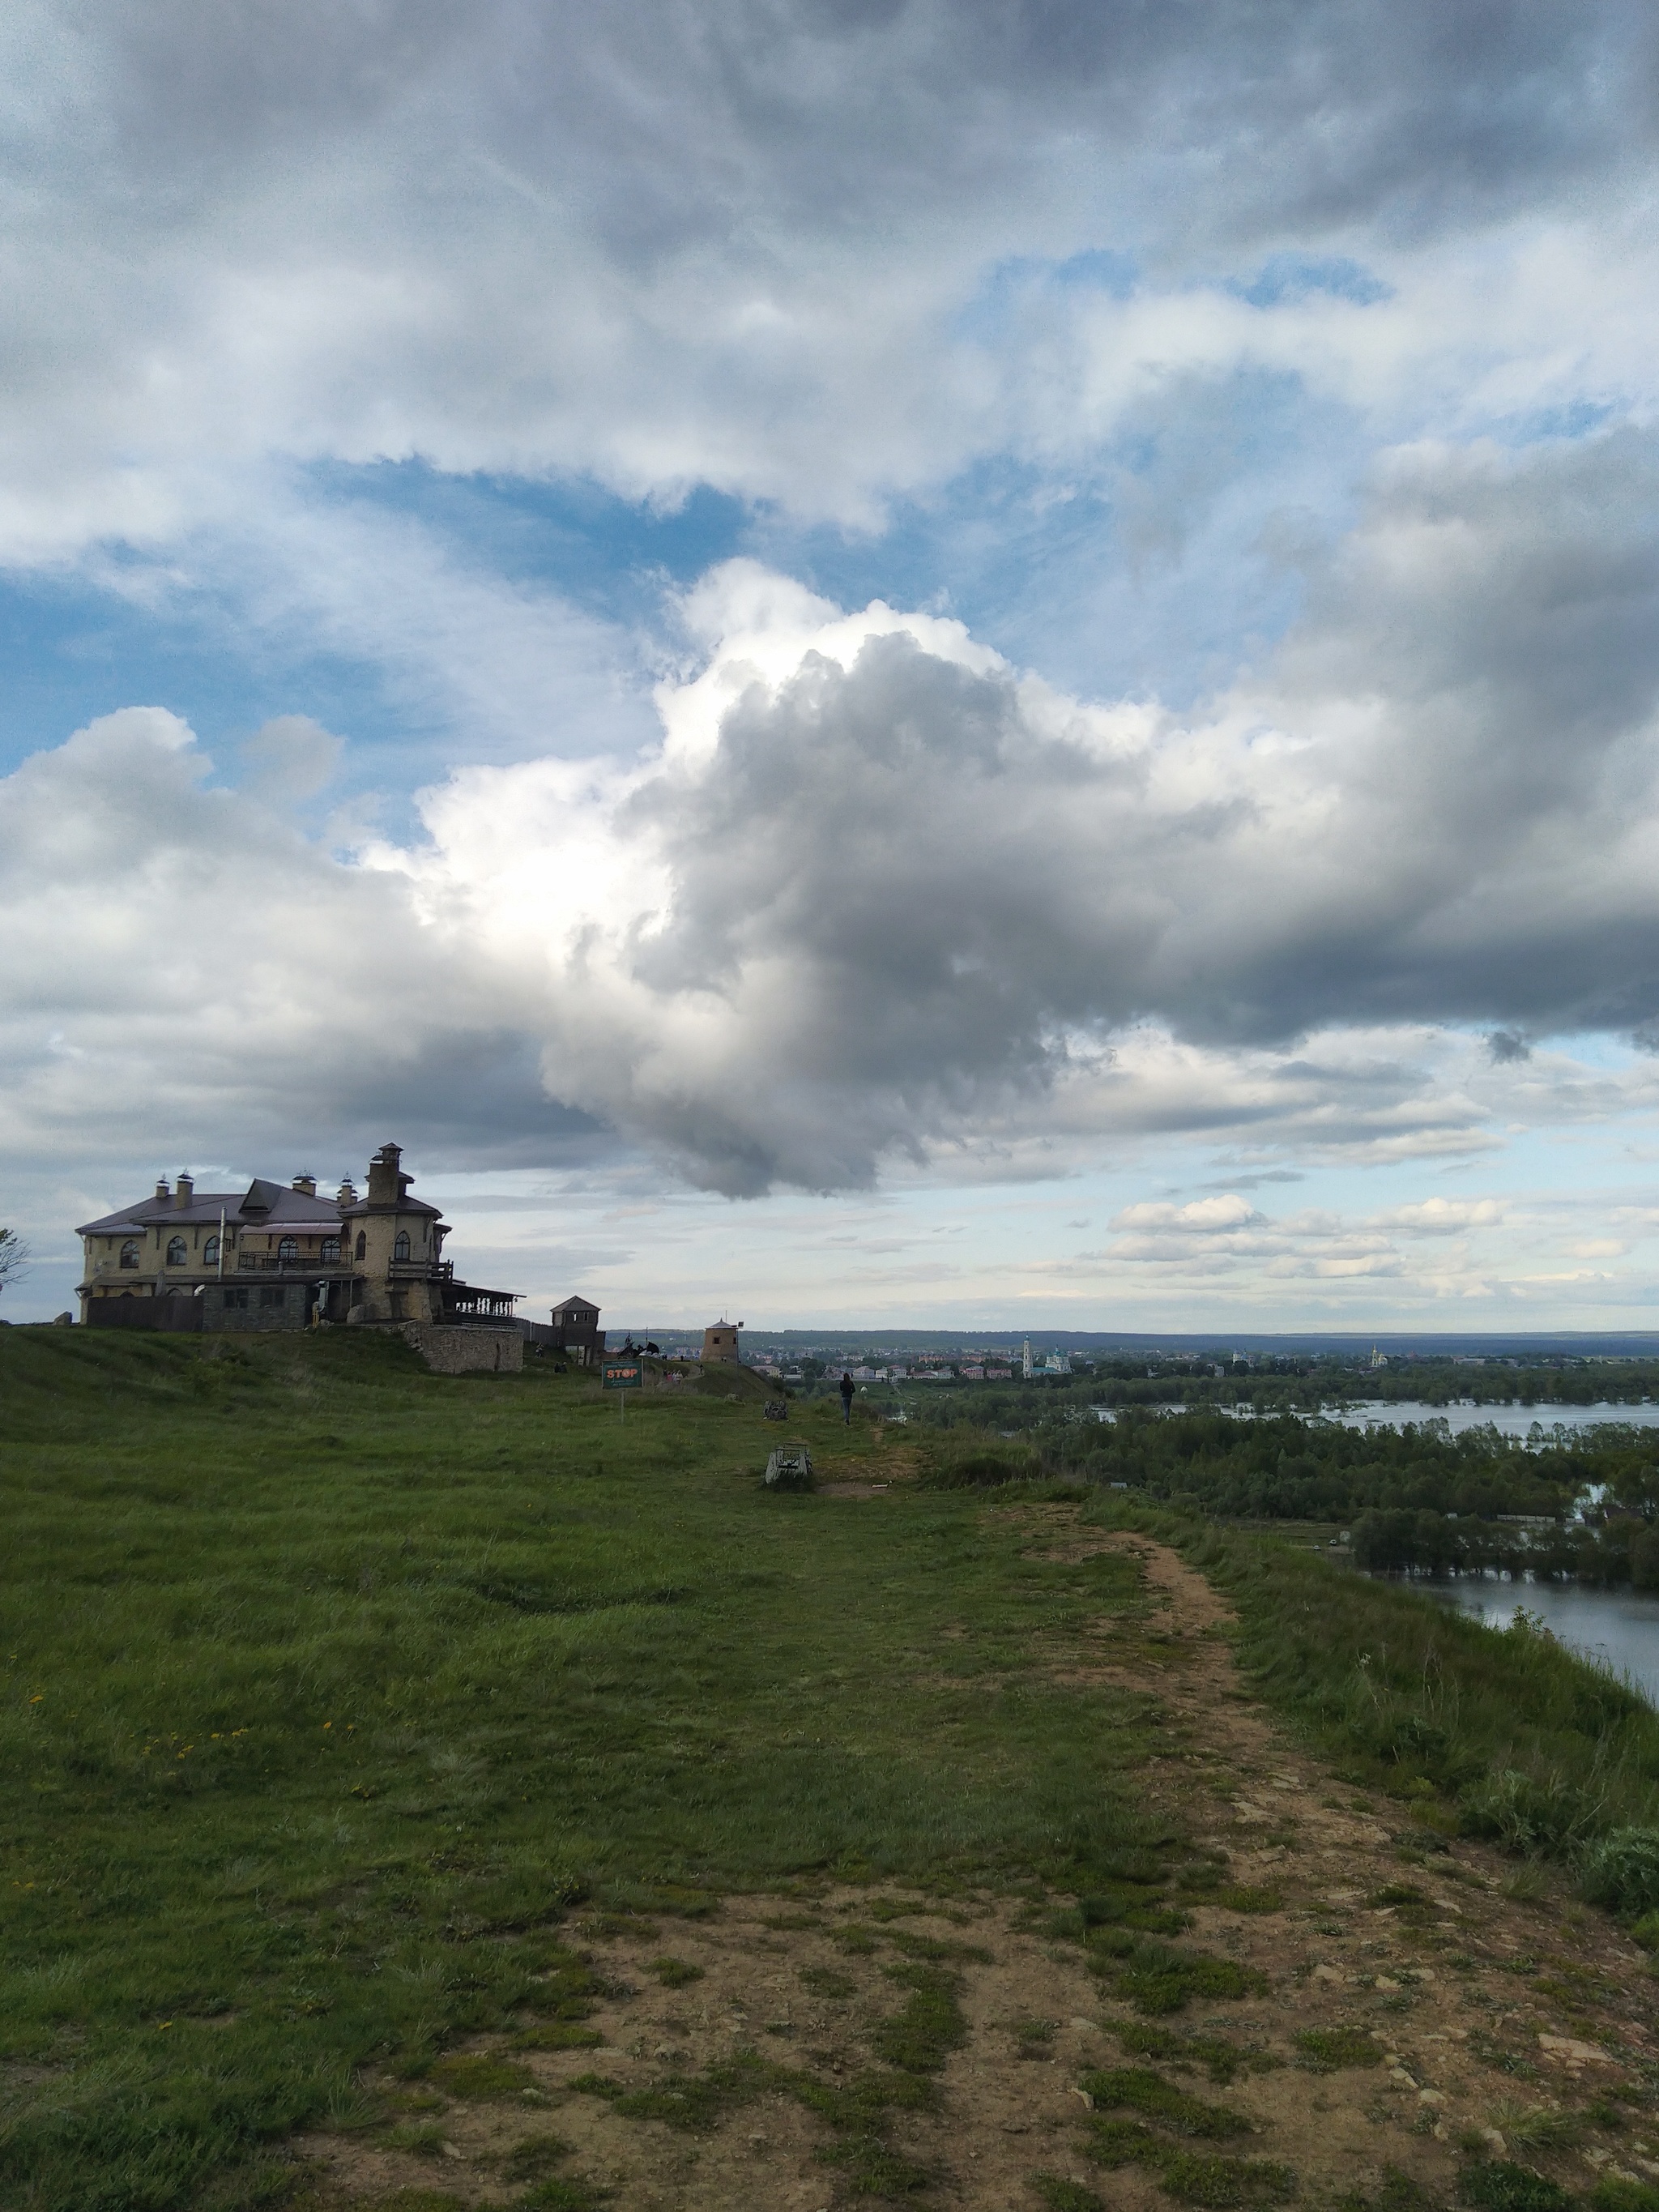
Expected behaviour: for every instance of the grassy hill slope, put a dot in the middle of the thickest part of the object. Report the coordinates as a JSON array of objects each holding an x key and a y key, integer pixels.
[
  {"x": 321, "y": 1675},
  {"x": 328, "y": 1687}
]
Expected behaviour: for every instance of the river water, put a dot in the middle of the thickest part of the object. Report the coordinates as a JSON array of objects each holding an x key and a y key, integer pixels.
[
  {"x": 1621, "y": 1626},
  {"x": 1510, "y": 1420}
]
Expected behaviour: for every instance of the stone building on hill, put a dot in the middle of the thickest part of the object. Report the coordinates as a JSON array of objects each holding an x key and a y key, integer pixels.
[
  {"x": 719, "y": 1345},
  {"x": 277, "y": 1255}
]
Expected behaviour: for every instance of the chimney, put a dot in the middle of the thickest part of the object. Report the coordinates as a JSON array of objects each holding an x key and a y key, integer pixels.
[
  {"x": 161, "y": 1190},
  {"x": 186, "y": 1189},
  {"x": 385, "y": 1185},
  {"x": 306, "y": 1185},
  {"x": 348, "y": 1193}
]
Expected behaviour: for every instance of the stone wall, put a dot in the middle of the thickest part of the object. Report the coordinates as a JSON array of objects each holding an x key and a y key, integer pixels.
[
  {"x": 184, "y": 1313},
  {"x": 251, "y": 1308},
  {"x": 468, "y": 1350}
]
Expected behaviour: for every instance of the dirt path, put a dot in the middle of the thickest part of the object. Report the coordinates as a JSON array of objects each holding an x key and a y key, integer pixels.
[{"x": 1521, "y": 2021}]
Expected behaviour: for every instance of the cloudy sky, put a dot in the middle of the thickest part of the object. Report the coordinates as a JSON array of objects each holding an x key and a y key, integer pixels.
[{"x": 852, "y": 659}]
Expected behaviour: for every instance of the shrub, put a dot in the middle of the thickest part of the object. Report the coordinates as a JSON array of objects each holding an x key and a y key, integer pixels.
[
  {"x": 533, "y": 2157},
  {"x": 1325, "y": 2049},
  {"x": 1219, "y": 2182},
  {"x": 1214, "y": 2053},
  {"x": 1622, "y": 1870},
  {"x": 980, "y": 1471},
  {"x": 562, "y": 2196},
  {"x": 422, "y": 2200},
  {"x": 1545, "y": 1817},
  {"x": 1160, "y": 1978},
  {"x": 1121, "y": 2143},
  {"x": 1062, "y": 2196},
  {"x": 1243, "y": 1899},
  {"x": 1399, "y": 2193},
  {"x": 1613, "y": 2195},
  {"x": 483, "y": 2074},
  {"x": 1499, "y": 2185},
  {"x": 558, "y": 2035},
  {"x": 1137, "y": 2089},
  {"x": 675, "y": 1974},
  {"x": 920, "y": 2038}
]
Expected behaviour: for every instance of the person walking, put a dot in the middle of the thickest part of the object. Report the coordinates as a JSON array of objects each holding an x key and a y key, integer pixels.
[{"x": 846, "y": 1400}]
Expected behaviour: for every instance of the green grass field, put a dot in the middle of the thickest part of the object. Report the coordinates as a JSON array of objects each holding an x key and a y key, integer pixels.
[
  {"x": 323, "y": 1678},
  {"x": 327, "y": 1687}
]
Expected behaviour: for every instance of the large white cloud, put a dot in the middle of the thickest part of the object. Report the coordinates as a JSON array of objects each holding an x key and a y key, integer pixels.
[{"x": 875, "y": 894}]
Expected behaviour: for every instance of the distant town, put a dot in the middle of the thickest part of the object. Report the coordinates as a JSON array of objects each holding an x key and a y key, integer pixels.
[{"x": 997, "y": 1364}]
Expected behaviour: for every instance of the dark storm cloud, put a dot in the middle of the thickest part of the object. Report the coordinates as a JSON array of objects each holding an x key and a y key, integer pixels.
[
  {"x": 1506, "y": 1047},
  {"x": 682, "y": 118}
]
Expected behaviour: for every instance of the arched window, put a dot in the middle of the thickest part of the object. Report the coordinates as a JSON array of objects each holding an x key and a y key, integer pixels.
[
  {"x": 400, "y": 1250},
  {"x": 361, "y": 1245},
  {"x": 177, "y": 1252},
  {"x": 288, "y": 1252},
  {"x": 129, "y": 1253},
  {"x": 330, "y": 1250},
  {"x": 210, "y": 1253}
]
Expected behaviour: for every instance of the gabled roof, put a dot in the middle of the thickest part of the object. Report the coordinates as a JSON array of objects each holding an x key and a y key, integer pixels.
[
  {"x": 262, "y": 1205},
  {"x": 575, "y": 1305},
  {"x": 203, "y": 1206}
]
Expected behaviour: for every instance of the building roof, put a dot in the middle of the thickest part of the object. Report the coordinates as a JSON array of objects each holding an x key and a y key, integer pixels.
[
  {"x": 403, "y": 1205},
  {"x": 575, "y": 1305},
  {"x": 262, "y": 1205}
]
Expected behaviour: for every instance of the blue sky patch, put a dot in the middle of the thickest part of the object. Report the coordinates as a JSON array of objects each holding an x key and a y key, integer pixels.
[{"x": 1285, "y": 278}]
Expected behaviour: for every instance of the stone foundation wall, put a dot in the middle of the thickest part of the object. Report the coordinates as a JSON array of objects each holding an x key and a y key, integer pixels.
[
  {"x": 175, "y": 1314},
  {"x": 251, "y": 1309},
  {"x": 466, "y": 1350}
]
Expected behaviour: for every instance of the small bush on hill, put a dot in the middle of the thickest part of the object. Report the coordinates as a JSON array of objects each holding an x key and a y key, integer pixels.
[
  {"x": 1621, "y": 1870},
  {"x": 1497, "y": 2185}
]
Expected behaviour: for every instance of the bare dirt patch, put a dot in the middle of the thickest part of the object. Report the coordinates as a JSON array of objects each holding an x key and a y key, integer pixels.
[{"x": 1393, "y": 2002}]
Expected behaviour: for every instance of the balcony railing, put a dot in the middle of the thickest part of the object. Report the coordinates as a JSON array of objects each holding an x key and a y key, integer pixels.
[
  {"x": 256, "y": 1263},
  {"x": 423, "y": 1271}
]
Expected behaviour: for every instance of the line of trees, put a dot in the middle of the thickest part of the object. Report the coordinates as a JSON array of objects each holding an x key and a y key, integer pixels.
[
  {"x": 1416, "y": 1500},
  {"x": 1609, "y": 1548}
]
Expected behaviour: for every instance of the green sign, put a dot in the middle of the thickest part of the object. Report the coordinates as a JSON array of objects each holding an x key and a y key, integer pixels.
[{"x": 622, "y": 1374}]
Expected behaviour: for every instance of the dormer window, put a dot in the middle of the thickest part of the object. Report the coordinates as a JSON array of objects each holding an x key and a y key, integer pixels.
[
  {"x": 400, "y": 1250},
  {"x": 288, "y": 1252},
  {"x": 129, "y": 1253},
  {"x": 177, "y": 1252},
  {"x": 210, "y": 1253}
]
